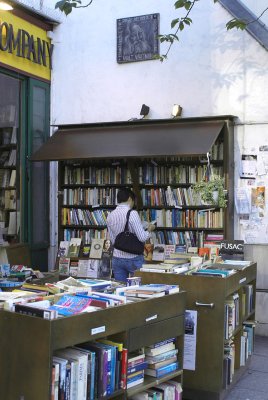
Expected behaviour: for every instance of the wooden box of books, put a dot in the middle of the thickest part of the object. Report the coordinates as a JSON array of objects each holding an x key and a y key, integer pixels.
[
  {"x": 225, "y": 309},
  {"x": 30, "y": 343}
]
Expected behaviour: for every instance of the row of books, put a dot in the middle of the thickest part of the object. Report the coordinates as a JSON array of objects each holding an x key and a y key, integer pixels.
[
  {"x": 231, "y": 319},
  {"x": 8, "y": 135},
  {"x": 150, "y": 173},
  {"x": 90, "y": 268},
  {"x": 89, "y": 371},
  {"x": 75, "y": 248},
  {"x": 187, "y": 238},
  {"x": 82, "y": 175},
  {"x": 147, "y": 291},
  {"x": 159, "y": 197},
  {"x": 77, "y": 216},
  {"x": 8, "y": 199},
  {"x": 246, "y": 350},
  {"x": 171, "y": 389},
  {"x": 184, "y": 218},
  {"x": 97, "y": 369},
  {"x": 86, "y": 235},
  {"x": 93, "y": 197},
  {"x": 169, "y": 197},
  {"x": 7, "y": 178},
  {"x": 8, "y": 158},
  {"x": 174, "y": 174}
]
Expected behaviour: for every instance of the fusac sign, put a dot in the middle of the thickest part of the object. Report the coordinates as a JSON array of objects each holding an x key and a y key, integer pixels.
[
  {"x": 22, "y": 44},
  {"x": 232, "y": 249}
]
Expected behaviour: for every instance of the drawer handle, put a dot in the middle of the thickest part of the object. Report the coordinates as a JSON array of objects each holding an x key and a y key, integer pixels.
[{"x": 210, "y": 305}]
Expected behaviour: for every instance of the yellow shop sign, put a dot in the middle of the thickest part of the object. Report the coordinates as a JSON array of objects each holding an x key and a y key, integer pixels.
[{"x": 25, "y": 46}]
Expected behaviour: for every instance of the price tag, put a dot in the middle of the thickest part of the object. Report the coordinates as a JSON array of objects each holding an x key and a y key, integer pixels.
[{"x": 100, "y": 329}]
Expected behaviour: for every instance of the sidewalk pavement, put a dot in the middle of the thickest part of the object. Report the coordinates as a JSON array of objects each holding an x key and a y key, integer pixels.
[{"x": 253, "y": 384}]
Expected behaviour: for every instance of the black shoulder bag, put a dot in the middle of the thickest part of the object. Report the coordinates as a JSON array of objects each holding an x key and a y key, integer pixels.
[{"x": 128, "y": 241}]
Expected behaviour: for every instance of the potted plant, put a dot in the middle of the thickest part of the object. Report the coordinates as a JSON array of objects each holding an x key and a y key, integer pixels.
[{"x": 211, "y": 192}]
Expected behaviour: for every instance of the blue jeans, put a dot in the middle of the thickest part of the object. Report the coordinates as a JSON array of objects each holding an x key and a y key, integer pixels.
[{"x": 123, "y": 268}]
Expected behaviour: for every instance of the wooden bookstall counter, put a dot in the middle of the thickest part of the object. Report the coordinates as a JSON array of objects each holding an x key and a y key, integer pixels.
[
  {"x": 27, "y": 343},
  {"x": 207, "y": 295}
]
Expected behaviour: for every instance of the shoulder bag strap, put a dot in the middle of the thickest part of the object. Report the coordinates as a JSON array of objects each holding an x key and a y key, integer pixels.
[{"x": 126, "y": 226}]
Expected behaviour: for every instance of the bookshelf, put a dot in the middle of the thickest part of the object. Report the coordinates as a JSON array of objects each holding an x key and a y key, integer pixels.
[
  {"x": 29, "y": 342},
  {"x": 208, "y": 296},
  {"x": 9, "y": 194},
  {"x": 163, "y": 186}
]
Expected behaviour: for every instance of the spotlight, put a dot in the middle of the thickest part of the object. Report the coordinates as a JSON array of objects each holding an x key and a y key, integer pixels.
[
  {"x": 144, "y": 110},
  {"x": 5, "y": 6},
  {"x": 176, "y": 110}
]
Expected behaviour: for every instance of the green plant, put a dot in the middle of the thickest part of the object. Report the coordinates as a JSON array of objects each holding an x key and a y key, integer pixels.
[{"x": 206, "y": 191}]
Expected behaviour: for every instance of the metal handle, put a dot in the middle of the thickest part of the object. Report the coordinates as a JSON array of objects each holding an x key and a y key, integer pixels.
[{"x": 210, "y": 305}]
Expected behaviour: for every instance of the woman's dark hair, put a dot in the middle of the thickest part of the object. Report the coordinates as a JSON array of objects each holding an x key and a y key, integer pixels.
[{"x": 124, "y": 194}]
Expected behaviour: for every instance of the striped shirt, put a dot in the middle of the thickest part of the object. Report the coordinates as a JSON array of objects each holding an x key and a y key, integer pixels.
[{"x": 116, "y": 222}]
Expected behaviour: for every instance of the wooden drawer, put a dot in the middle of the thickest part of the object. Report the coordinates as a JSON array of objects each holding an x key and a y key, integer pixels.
[{"x": 153, "y": 333}]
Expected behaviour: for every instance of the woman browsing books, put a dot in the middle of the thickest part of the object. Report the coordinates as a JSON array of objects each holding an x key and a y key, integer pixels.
[{"x": 124, "y": 264}]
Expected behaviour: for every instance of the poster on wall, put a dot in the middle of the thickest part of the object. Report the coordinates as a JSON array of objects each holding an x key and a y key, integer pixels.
[
  {"x": 258, "y": 200},
  {"x": 189, "y": 358},
  {"x": 248, "y": 166}
]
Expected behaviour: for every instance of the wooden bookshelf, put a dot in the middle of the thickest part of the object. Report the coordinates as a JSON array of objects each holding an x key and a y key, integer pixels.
[
  {"x": 27, "y": 343},
  {"x": 91, "y": 184},
  {"x": 207, "y": 295}
]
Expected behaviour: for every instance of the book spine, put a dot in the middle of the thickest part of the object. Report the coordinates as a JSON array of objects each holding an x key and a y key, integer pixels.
[
  {"x": 137, "y": 361},
  {"x": 167, "y": 369},
  {"x": 138, "y": 367},
  {"x": 124, "y": 369},
  {"x": 33, "y": 311},
  {"x": 92, "y": 377},
  {"x": 171, "y": 340}
]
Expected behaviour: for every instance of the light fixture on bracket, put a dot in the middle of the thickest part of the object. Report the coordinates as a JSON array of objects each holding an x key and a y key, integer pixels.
[
  {"x": 144, "y": 110},
  {"x": 4, "y": 6},
  {"x": 176, "y": 110}
]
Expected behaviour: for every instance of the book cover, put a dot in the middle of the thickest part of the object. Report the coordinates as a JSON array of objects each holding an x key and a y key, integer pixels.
[
  {"x": 85, "y": 250},
  {"x": 70, "y": 305},
  {"x": 64, "y": 266},
  {"x": 158, "y": 252},
  {"x": 148, "y": 252},
  {"x": 83, "y": 269},
  {"x": 73, "y": 267},
  {"x": 96, "y": 248},
  {"x": 63, "y": 248},
  {"x": 74, "y": 247}
]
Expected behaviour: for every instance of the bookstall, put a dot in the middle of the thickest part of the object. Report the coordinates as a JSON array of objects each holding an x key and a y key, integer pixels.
[
  {"x": 225, "y": 308},
  {"x": 160, "y": 160},
  {"x": 29, "y": 343}
]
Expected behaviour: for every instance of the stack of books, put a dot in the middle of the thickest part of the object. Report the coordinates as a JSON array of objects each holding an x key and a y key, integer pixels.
[
  {"x": 135, "y": 369},
  {"x": 161, "y": 358},
  {"x": 147, "y": 291}
]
